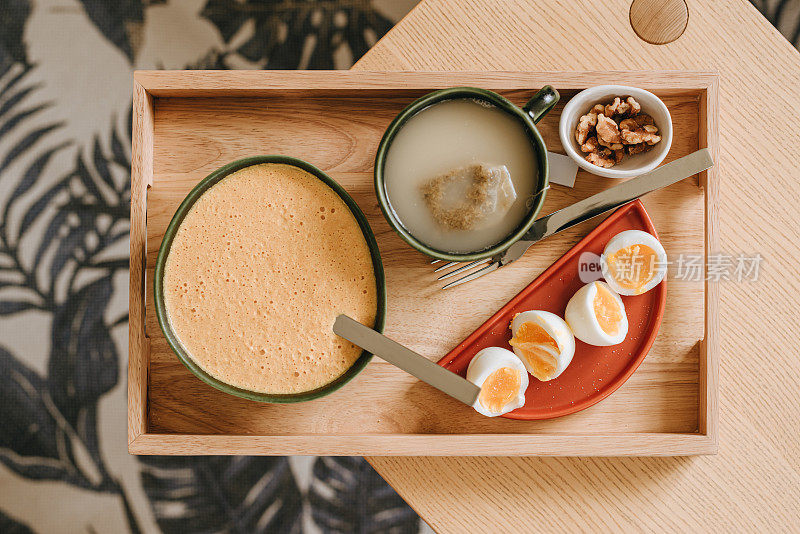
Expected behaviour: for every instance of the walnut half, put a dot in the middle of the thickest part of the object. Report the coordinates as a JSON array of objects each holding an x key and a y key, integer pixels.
[
  {"x": 601, "y": 159},
  {"x": 608, "y": 133},
  {"x": 587, "y": 123},
  {"x": 599, "y": 155},
  {"x": 633, "y": 133}
]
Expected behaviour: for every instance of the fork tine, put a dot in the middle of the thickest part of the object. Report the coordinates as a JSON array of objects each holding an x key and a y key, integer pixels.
[
  {"x": 462, "y": 269},
  {"x": 435, "y": 261},
  {"x": 477, "y": 274},
  {"x": 447, "y": 266}
]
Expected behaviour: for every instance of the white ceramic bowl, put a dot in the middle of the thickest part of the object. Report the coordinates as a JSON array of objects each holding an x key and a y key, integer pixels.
[{"x": 631, "y": 166}]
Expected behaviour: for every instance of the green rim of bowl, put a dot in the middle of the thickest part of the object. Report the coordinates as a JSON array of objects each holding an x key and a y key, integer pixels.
[
  {"x": 455, "y": 93},
  {"x": 158, "y": 280}
]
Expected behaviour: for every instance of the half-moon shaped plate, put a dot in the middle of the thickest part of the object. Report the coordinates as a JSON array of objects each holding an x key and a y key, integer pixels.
[{"x": 595, "y": 372}]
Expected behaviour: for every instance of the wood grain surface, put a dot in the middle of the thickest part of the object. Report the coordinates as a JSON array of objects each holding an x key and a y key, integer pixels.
[
  {"x": 662, "y": 409},
  {"x": 752, "y": 485},
  {"x": 141, "y": 178},
  {"x": 659, "y": 21}
]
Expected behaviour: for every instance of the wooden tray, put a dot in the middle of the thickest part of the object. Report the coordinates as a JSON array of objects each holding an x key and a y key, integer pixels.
[{"x": 188, "y": 123}]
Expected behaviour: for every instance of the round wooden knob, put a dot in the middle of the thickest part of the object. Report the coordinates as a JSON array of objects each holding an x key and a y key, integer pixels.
[{"x": 659, "y": 21}]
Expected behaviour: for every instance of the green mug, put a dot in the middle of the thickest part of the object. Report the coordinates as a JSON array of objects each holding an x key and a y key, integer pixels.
[{"x": 529, "y": 114}]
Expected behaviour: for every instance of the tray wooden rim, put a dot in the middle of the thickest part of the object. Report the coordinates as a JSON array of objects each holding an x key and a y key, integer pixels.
[{"x": 149, "y": 85}]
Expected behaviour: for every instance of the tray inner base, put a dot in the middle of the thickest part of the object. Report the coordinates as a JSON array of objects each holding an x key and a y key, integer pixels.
[{"x": 339, "y": 131}]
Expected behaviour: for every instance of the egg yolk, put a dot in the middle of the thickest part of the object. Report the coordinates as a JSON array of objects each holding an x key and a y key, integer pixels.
[
  {"x": 632, "y": 267},
  {"x": 532, "y": 340},
  {"x": 499, "y": 388},
  {"x": 606, "y": 309}
]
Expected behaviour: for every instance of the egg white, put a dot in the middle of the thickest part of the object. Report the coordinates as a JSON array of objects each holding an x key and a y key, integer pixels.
[
  {"x": 488, "y": 361},
  {"x": 626, "y": 239},
  {"x": 555, "y": 328},
  {"x": 581, "y": 317}
]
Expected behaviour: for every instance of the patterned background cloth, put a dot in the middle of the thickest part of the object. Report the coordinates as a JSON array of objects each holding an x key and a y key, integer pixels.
[{"x": 65, "y": 82}]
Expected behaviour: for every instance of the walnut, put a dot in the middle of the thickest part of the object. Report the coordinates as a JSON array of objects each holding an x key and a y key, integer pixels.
[
  {"x": 598, "y": 155},
  {"x": 622, "y": 108},
  {"x": 585, "y": 125},
  {"x": 608, "y": 133},
  {"x": 632, "y": 137},
  {"x": 611, "y": 109},
  {"x": 590, "y": 145},
  {"x": 653, "y": 139},
  {"x": 630, "y": 107},
  {"x": 636, "y": 108},
  {"x": 596, "y": 158},
  {"x": 607, "y": 130},
  {"x": 639, "y": 135},
  {"x": 639, "y": 130}
]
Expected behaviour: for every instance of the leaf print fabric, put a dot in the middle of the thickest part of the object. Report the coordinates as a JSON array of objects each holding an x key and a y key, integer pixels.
[{"x": 65, "y": 78}]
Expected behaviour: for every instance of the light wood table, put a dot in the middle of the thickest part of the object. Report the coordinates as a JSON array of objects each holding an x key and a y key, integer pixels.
[{"x": 754, "y": 481}]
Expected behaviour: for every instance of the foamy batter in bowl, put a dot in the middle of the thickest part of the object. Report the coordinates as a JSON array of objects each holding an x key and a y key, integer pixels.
[{"x": 256, "y": 273}]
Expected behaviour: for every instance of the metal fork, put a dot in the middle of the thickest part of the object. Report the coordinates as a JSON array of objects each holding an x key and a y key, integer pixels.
[{"x": 586, "y": 209}]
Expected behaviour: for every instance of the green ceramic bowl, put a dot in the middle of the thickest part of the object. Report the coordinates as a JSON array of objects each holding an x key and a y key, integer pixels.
[
  {"x": 536, "y": 108},
  {"x": 166, "y": 243}
]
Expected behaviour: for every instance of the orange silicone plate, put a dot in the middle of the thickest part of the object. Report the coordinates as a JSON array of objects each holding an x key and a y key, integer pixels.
[{"x": 595, "y": 372}]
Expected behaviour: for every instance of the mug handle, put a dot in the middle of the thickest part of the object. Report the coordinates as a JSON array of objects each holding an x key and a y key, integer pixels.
[{"x": 542, "y": 102}]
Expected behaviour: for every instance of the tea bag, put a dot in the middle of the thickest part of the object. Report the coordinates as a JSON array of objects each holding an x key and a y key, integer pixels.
[{"x": 470, "y": 197}]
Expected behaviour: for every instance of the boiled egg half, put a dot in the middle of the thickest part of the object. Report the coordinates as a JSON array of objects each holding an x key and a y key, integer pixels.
[
  {"x": 543, "y": 342},
  {"x": 596, "y": 315},
  {"x": 502, "y": 379},
  {"x": 633, "y": 262}
]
